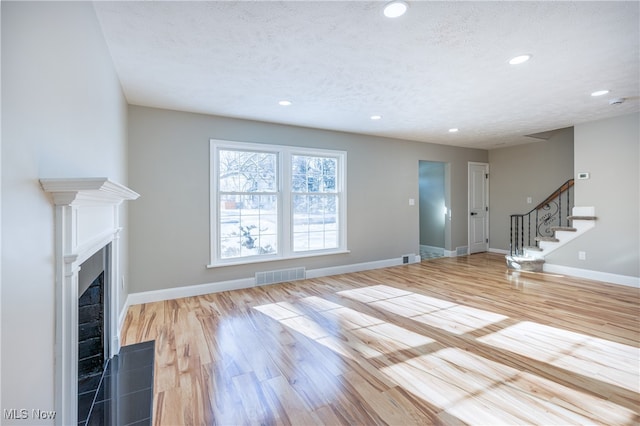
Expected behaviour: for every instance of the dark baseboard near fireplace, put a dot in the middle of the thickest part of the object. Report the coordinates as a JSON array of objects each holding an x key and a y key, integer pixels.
[{"x": 125, "y": 393}]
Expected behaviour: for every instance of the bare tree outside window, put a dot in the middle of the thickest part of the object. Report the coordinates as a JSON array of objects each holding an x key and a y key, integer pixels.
[
  {"x": 248, "y": 203},
  {"x": 315, "y": 203}
]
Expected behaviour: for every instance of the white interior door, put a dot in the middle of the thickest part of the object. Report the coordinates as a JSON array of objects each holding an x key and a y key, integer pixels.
[{"x": 478, "y": 207}]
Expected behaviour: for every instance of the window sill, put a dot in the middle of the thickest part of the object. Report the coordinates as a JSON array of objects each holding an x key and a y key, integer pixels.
[{"x": 275, "y": 259}]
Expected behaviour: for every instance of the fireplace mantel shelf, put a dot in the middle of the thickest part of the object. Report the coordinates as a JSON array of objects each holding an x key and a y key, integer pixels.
[{"x": 77, "y": 191}]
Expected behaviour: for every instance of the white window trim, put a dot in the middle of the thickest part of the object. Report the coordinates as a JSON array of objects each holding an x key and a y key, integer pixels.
[{"x": 285, "y": 240}]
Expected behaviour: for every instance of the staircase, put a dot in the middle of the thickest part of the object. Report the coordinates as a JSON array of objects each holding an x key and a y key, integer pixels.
[{"x": 547, "y": 227}]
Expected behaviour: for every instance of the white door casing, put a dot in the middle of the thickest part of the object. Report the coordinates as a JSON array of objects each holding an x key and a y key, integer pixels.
[{"x": 478, "y": 207}]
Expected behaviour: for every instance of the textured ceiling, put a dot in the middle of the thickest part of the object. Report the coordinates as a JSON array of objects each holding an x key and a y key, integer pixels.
[{"x": 442, "y": 65}]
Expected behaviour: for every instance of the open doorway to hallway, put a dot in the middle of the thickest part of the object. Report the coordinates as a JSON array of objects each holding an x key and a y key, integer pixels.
[{"x": 433, "y": 209}]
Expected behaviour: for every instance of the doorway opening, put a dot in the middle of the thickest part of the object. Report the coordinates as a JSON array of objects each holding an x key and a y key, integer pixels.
[{"x": 434, "y": 209}]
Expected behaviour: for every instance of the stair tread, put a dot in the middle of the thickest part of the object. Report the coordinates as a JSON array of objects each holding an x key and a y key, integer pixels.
[
  {"x": 533, "y": 248},
  {"x": 549, "y": 239},
  {"x": 563, "y": 228},
  {"x": 581, "y": 218}
]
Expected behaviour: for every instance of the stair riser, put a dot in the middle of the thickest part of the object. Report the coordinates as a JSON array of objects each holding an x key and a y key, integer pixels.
[
  {"x": 583, "y": 211},
  {"x": 582, "y": 225},
  {"x": 564, "y": 235}
]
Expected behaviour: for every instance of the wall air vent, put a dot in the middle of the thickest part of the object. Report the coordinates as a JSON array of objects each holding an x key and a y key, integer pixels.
[{"x": 280, "y": 276}]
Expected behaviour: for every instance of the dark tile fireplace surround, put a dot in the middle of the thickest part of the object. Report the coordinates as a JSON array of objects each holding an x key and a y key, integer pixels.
[
  {"x": 118, "y": 391},
  {"x": 91, "y": 353}
]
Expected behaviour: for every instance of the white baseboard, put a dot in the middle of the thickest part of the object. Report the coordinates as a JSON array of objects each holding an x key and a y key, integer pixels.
[
  {"x": 445, "y": 252},
  {"x": 121, "y": 318},
  {"x": 200, "y": 289},
  {"x": 431, "y": 248},
  {"x": 177, "y": 293},
  {"x": 593, "y": 275},
  {"x": 188, "y": 291},
  {"x": 584, "y": 273},
  {"x": 357, "y": 267},
  {"x": 499, "y": 251}
]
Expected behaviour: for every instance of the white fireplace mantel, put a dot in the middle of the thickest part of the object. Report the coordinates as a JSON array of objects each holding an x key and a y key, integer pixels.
[
  {"x": 86, "y": 191},
  {"x": 86, "y": 221}
]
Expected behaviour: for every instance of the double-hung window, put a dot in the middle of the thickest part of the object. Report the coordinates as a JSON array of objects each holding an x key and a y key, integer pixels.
[{"x": 271, "y": 202}]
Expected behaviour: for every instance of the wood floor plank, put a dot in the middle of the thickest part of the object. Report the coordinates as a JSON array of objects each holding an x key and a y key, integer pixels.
[
  {"x": 295, "y": 410},
  {"x": 448, "y": 341},
  {"x": 384, "y": 404}
]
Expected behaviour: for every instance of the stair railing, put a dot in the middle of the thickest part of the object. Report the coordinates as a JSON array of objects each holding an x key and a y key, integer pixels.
[{"x": 553, "y": 211}]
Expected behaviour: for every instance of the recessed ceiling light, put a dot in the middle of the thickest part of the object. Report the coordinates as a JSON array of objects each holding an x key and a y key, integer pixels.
[
  {"x": 376, "y": 117},
  {"x": 284, "y": 103},
  {"x": 454, "y": 130},
  {"x": 599, "y": 92},
  {"x": 519, "y": 59},
  {"x": 395, "y": 9}
]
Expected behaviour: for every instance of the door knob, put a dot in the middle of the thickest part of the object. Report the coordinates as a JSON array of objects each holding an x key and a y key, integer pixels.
[{"x": 473, "y": 213}]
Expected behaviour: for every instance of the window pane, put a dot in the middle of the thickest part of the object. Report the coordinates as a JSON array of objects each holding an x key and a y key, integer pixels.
[
  {"x": 331, "y": 239},
  {"x": 248, "y": 225},
  {"x": 249, "y": 201},
  {"x": 301, "y": 241},
  {"x": 229, "y": 247},
  {"x": 267, "y": 244},
  {"x": 316, "y": 240},
  {"x": 247, "y": 171},
  {"x": 313, "y": 174},
  {"x": 314, "y": 222}
]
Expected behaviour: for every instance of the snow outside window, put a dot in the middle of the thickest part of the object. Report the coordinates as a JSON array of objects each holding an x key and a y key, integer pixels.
[{"x": 272, "y": 202}]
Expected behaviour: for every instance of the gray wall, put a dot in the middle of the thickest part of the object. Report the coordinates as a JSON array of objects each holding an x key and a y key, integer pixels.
[
  {"x": 608, "y": 150},
  {"x": 63, "y": 115},
  {"x": 169, "y": 167},
  {"x": 432, "y": 201},
  {"x": 532, "y": 170}
]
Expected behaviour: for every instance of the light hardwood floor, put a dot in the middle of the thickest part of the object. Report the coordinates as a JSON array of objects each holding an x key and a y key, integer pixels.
[{"x": 448, "y": 341}]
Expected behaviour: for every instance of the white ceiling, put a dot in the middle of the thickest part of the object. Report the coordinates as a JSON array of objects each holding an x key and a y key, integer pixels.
[{"x": 441, "y": 65}]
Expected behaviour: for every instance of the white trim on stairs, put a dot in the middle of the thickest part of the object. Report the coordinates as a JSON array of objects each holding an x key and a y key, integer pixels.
[{"x": 606, "y": 277}]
